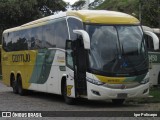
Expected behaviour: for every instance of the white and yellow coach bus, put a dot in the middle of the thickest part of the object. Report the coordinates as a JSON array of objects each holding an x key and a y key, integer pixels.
[{"x": 96, "y": 55}]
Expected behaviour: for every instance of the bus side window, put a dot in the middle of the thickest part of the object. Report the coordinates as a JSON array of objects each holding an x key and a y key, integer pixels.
[
  {"x": 74, "y": 24},
  {"x": 158, "y": 34},
  {"x": 149, "y": 42},
  {"x": 61, "y": 33},
  {"x": 4, "y": 42},
  {"x": 55, "y": 34}
]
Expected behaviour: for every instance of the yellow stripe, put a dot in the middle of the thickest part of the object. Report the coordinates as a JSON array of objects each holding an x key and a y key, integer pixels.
[
  {"x": 111, "y": 80},
  {"x": 61, "y": 61}
]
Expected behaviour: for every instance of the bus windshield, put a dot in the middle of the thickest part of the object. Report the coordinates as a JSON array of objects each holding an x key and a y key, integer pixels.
[{"x": 117, "y": 50}]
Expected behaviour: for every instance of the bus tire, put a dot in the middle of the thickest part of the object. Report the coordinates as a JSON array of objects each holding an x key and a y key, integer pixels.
[
  {"x": 68, "y": 100},
  {"x": 14, "y": 85},
  {"x": 118, "y": 101},
  {"x": 21, "y": 91}
]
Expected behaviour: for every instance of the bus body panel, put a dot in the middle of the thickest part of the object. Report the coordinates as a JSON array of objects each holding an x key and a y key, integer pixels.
[
  {"x": 154, "y": 70},
  {"x": 108, "y": 93},
  {"x": 70, "y": 83},
  {"x": 42, "y": 69},
  {"x": 56, "y": 70},
  {"x": 103, "y": 17},
  {"x": 18, "y": 63},
  {"x": 113, "y": 87},
  {"x": 154, "y": 55}
]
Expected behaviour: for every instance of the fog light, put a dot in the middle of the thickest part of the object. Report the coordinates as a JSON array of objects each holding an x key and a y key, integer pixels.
[
  {"x": 95, "y": 92},
  {"x": 145, "y": 91},
  {"x": 144, "y": 81}
]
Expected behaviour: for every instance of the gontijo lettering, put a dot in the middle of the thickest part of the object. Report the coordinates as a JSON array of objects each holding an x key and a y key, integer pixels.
[{"x": 21, "y": 58}]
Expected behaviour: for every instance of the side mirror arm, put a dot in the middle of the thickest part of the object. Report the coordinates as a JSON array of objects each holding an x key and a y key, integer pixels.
[
  {"x": 85, "y": 36},
  {"x": 155, "y": 39}
]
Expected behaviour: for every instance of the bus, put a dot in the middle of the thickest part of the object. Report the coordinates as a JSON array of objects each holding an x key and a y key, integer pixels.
[
  {"x": 154, "y": 55},
  {"x": 92, "y": 54}
]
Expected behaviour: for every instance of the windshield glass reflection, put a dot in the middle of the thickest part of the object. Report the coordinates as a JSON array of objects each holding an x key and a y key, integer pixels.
[{"x": 117, "y": 49}]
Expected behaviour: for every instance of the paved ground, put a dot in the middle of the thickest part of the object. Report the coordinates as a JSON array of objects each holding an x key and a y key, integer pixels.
[{"x": 36, "y": 101}]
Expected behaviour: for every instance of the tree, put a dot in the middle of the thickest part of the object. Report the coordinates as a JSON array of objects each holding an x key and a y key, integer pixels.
[
  {"x": 48, "y": 7},
  {"x": 78, "y": 5},
  {"x": 150, "y": 12},
  {"x": 150, "y": 9},
  {"x": 95, "y": 3},
  {"x": 17, "y": 12}
]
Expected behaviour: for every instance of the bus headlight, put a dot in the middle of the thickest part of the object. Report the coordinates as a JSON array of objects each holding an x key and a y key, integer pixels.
[
  {"x": 145, "y": 80},
  {"x": 96, "y": 82}
]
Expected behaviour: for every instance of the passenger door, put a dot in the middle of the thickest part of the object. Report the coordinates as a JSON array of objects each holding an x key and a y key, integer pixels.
[{"x": 76, "y": 68}]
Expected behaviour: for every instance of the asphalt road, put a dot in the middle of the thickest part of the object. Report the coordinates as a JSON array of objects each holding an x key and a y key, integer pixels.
[{"x": 37, "y": 101}]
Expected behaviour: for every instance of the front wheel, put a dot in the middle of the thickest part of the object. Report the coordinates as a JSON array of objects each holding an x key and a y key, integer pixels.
[
  {"x": 118, "y": 101},
  {"x": 67, "y": 99}
]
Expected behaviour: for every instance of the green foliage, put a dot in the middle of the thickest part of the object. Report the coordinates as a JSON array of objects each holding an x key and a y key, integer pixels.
[
  {"x": 95, "y": 3},
  {"x": 151, "y": 13},
  {"x": 78, "y": 5},
  {"x": 150, "y": 9},
  {"x": 17, "y": 12}
]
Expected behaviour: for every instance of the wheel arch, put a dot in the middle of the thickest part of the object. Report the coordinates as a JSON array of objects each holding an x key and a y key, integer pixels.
[
  {"x": 63, "y": 81},
  {"x": 12, "y": 77}
]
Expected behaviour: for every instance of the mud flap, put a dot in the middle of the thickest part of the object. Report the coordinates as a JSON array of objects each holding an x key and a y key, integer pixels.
[{"x": 70, "y": 84}]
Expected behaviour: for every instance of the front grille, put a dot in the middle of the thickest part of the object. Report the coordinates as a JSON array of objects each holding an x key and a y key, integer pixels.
[{"x": 122, "y": 86}]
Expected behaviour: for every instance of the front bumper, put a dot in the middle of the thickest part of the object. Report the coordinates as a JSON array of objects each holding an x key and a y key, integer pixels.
[{"x": 96, "y": 92}]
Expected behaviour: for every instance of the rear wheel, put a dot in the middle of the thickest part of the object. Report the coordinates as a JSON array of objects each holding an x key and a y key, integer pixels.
[
  {"x": 67, "y": 99},
  {"x": 21, "y": 91},
  {"x": 118, "y": 101},
  {"x": 14, "y": 85}
]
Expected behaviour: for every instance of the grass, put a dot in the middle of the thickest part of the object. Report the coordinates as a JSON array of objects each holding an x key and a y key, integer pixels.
[
  {"x": 154, "y": 97},
  {"x": 155, "y": 92}
]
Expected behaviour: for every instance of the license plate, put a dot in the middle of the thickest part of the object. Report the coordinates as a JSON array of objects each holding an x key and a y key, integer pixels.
[{"x": 122, "y": 95}]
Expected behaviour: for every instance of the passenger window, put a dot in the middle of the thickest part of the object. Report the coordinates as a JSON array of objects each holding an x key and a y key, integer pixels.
[
  {"x": 69, "y": 57},
  {"x": 56, "y": 33},
  {"x": 149, "y": 42}
]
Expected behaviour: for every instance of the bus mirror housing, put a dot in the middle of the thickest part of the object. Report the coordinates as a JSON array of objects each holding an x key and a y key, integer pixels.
[
  {"x": 85, "y": 36},
  {"x": 155, "y": 39}
]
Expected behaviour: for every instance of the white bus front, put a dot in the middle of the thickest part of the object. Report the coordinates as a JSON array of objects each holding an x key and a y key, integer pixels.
[{"x": 114, "y": 66}]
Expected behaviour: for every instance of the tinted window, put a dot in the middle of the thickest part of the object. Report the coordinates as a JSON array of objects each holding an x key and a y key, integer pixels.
[
  {"x": 74, "y": 24},
  {"x": 5, "y": 41},
  {"x": 117, "y": 50},
  {"x": 35, "y": 38},
  {"x": 149, "y": 42},
  {"x": 15, "y": 41},
  {"x": 69, "y": 57},
  {"x": 51, "y": 35},
  {"x": 55, "y": 34}
]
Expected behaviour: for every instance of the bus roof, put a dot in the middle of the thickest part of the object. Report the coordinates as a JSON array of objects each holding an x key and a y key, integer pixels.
[
  {"x": 104, "y": 17},
  {"x": 156, "y": 30},
  {"x": 36, "y": 23},
  {"x": 87, "y": 16}
]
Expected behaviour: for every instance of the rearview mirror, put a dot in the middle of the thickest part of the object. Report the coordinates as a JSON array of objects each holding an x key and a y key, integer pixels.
[
  {"x": 85, "y": 36},
  {"x": 155, "y": 39}
]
